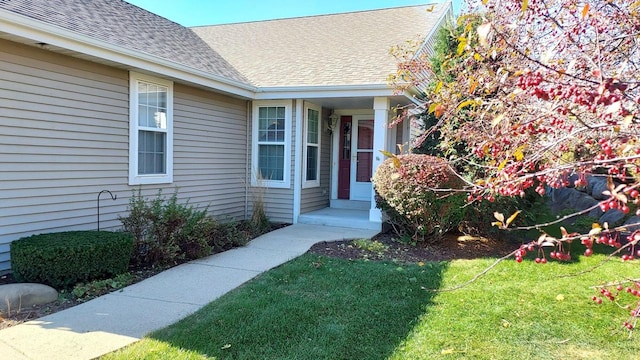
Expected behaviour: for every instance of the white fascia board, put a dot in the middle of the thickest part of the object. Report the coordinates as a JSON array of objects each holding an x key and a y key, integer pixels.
[
  {"x": 308, "y": 92},
  {"x": 46, "y": 33}
]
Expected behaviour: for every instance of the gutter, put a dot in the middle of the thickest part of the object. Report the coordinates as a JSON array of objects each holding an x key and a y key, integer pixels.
[
  {"x": 38, "y": 31},
  {"x": 311, "y": 88}
]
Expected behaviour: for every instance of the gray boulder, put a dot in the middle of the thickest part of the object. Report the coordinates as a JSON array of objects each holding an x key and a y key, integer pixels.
[
  {"x": 596, "y": 213},
  {"x": 597, "y": 185},
  {"x": 611, "y": 217},
  {"x": 632, "y": 224},
  {"x": 584, "y": 202},
  {"x": 563, "y": 198},
  {"x": 14, "y": 297}
]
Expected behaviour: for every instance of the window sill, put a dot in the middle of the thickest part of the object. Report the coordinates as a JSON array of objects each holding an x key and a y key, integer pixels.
[
  {"x": 147, "y": 180},
  {"x": 310, "y": 185},
  {"x": 271, "y": 184}
]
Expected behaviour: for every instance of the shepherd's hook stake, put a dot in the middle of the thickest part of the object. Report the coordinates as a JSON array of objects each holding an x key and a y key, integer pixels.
[{"x": 113, "y": 197}]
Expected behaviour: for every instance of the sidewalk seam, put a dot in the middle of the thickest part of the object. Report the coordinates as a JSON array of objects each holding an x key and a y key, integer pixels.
[
  {"x": 158, "y": 300},
  {"x": 16, "y": 349},
  {"x": 231, "y": 268}
]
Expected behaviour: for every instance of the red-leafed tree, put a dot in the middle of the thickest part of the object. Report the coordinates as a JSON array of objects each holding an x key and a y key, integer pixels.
[{"x": 542, "y": 93}]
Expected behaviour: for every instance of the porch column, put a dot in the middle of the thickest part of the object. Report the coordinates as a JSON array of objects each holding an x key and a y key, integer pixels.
[{"x": 380, "y": 142}]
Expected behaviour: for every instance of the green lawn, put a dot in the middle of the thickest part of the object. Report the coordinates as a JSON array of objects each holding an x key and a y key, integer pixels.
[{"x": 322, "y": 308}]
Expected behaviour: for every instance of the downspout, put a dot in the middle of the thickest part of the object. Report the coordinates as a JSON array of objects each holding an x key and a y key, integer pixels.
[{"x": 247, "y": 174}]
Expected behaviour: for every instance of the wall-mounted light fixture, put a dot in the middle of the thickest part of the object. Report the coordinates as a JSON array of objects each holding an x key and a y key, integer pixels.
[{"x": 333, "y": 121}]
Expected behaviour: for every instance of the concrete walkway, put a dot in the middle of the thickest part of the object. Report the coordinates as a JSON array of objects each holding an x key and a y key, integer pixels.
[{"x": 118, "y": 319}]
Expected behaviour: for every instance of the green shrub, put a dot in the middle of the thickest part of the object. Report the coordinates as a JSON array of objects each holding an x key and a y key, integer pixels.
[
  {"x": 166, "y": 231},
  {"x": 230, "y": 234},
  {"x": 406, "y": 195},
  {"x": 193, "y": 240},
  {"x": 479, "y": 214},
  {"x": 97, "y": 288},
  {"x": 64, "y": 259},
  {"x": 584, "y": 223}
]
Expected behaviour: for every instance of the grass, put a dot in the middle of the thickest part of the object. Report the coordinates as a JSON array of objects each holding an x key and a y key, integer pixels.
[{"x": 322, "y": 308}]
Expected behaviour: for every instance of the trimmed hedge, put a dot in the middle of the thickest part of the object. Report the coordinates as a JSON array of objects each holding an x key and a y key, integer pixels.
[{"x": 63, "y": 259}]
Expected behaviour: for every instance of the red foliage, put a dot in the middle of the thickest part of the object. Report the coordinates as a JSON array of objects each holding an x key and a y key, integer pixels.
[
  {"x": 415, "y": 191},
  {"x": 541, "y": 90}
]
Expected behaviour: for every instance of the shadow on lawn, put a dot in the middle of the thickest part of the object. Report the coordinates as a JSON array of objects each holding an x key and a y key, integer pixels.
[{"x": 313, "y": 307}]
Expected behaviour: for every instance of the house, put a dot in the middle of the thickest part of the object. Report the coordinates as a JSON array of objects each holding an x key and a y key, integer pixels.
[{"x": 103, "y": 95}]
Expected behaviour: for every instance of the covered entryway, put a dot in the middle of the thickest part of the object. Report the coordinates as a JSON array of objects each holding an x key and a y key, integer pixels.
[{"x": 357, "y": 135}]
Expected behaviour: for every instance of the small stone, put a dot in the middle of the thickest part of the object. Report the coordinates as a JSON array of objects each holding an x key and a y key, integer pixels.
[
  {"x": 611, "y": 217},
  {"x": 598, "y": 186},
  {"x": 630, "y": 226},
  {"x": 584, "y": 202},
  {"x": 14, "y": 297}
]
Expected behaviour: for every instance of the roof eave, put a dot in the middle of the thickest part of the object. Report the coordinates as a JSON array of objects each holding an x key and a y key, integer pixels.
[
  {"x": 40, "y": 32},
  {"x": 327, "y": 91}
]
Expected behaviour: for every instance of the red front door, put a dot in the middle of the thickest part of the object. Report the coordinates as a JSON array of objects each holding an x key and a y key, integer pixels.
[{"x": 344, "y": 162}]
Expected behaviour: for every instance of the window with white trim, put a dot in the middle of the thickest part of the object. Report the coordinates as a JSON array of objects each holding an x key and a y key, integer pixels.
[
  {"x": 312, "y": 146},
  {"x": 150, "y": 130},
  {"x": 271, "y": 156}
]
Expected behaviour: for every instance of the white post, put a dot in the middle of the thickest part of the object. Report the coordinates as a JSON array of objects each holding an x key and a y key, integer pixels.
[
  {"x": 297, "y": 168},
  {"x": 381, "y": 127}
]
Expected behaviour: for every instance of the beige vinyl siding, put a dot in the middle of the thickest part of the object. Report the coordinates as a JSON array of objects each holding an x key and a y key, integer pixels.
[
  {"x": 278, "y": 202},
  {"x": 318, "y": 197},
  {"x": 65, "y": 137},
  {"x": 210, "y": 141}
]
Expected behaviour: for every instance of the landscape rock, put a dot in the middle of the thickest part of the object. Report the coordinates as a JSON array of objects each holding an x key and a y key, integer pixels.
[
  {"x": 21, "y": 295},
  {"x": 584, "y": 202},
  {"x": 598, "y": 185},
  {"x": 611, "y": 217},
  {"x": 632, "y": 224},
  {"x": 571, "y": 180},
  {"x": 596, "y": 213},
  {"x": 562, "y": 198}
]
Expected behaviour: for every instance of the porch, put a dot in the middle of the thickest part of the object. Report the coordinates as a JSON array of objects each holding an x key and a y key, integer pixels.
[
  {"x": 354, "y": 131},
  {"x": 342, "y": 213}
]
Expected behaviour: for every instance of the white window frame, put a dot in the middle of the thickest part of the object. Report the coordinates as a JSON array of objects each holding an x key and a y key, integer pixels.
[
  {"x": 311, "y": 183},
  {"x": 285, "y": 183},
  {"x": 134, "y": 177}
]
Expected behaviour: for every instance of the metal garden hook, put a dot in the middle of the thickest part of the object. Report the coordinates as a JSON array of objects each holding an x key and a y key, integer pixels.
[{"x": 113, "y": 197}]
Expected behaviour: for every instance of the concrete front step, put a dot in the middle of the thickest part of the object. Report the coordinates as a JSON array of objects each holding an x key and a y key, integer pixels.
[
  {"x": 350, "y": 204},
  {"x": 348, "y": 218}
]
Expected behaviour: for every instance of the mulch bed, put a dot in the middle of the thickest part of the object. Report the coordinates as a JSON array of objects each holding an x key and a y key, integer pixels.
[{"x": 451, "y": 247}]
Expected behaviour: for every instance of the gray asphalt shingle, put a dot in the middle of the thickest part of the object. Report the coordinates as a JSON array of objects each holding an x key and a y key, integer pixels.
[
  {"x": 330, "y": 50},
  {"x": 120, "y": 23},
  {"x": 338, "y": 49}
]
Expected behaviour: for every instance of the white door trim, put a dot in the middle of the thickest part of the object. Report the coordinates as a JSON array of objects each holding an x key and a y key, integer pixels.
[{"x": 360, "y": 190}]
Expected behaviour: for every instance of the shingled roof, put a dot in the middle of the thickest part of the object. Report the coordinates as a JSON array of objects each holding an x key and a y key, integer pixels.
[
  {"x": 120, "y": 23},
  {"x": 332, "y": 50}
]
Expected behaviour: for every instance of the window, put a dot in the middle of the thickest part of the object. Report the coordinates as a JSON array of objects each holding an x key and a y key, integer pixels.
[
  {"x": 312, "y": 146},
  {"x": 271, "y": 139},
  {"x": 150, "y": 130}
]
